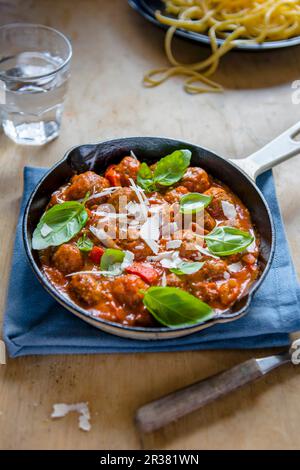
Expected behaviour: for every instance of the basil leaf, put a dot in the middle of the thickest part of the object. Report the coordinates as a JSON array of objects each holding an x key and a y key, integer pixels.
[
  {"x": 194, "y": 202},
  {"x": 111, "y": 257},
  {"x": 171, "y": 168},
  {"x": 168, "y": 171},
  {"x": 175, "y": 307},
  {"x": 224, "y": 241},
  {"x": 84, "y": 243},
  {"x": 145, "y": 178},
  {"x": 59, "y": 224},
  {"x": 187, "y": 267}
]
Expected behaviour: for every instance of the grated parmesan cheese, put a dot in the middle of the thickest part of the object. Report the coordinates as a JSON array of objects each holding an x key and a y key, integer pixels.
[
  {"x": 139, "y": 193},
  {"x": 229, "y": 210},
  {"x": 164, "y": 280},
  {"x": 114, "y": 270},
  {"x": 168, "y": 229},
  {"x": 173, "y": 244},
  {"x": 174, "y": 262},
  {"x": 45, "y": 230},
  {"x": 133, "y": 208},
  {"x": 110, "y": 215},
  {"x": 235, "y": 267},
  {"x": 103, "y": 237},
  {"x": 205, "y": 252},
  {"x": 252, "y": 247},
  {"x": 105, "y": 192},
  {"x": 95, "y": 273},
  {"x": 160, "y": 256},
  {"x": 150, "y": 233},
  {"x": 133, "y": 154},
  {"x": 150, "y": 229}
]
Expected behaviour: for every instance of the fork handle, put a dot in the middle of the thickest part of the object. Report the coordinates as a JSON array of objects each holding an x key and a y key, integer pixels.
[{"x": 163, "y": 411}]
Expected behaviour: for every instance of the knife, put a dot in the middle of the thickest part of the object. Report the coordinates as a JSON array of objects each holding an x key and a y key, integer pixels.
[{"x": 159, "y": 413}]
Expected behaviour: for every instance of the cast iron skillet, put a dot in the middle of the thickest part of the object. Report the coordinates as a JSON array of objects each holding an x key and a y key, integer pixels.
[
  {"x": 98, "y": 156},
  {"x": 147, "y": 9}
]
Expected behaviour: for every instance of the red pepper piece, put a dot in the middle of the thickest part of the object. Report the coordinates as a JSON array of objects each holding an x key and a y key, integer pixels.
[
  {"x": 144, "y": 271},
  {"x": 113, "y": 176},
  {"x": 95, "y": 254}
]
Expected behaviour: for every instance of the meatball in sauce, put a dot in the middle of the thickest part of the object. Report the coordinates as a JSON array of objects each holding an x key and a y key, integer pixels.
[{"x": 74, "y": 267}]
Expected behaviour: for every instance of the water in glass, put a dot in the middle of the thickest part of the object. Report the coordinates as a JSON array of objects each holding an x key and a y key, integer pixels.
[{"x": 32, "y": 107}]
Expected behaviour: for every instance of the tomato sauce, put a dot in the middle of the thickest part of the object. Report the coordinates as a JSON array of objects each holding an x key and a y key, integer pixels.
[{"x": 119, "y": 298}]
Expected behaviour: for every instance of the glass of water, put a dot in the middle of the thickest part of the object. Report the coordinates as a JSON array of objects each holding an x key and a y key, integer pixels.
[{"x": 34, "y": 70}]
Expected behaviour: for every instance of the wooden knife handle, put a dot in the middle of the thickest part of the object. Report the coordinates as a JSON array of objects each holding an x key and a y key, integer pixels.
[{"x": 163, "y": 411}]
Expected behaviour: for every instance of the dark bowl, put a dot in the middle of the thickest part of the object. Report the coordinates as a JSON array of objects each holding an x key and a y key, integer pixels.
[
  {"x": 97, "y": 157},
  {"x": 147, "y": 8}
]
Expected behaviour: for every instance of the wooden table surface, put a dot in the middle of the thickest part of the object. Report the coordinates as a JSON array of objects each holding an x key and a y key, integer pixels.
[{"x": 113, "y": 46}]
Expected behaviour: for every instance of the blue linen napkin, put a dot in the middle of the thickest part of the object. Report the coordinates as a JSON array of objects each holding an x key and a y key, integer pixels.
[{"x": 35, "y": 323}]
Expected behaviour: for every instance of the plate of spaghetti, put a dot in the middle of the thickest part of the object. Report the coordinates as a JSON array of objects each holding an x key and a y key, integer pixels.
[{"x": 253, "y": 25}]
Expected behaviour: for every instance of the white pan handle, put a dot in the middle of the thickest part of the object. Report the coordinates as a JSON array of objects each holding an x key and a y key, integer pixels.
[{"x": 277, "y": 151}]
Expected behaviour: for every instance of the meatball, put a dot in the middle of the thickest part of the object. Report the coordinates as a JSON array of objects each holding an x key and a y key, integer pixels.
[
  {"x": 86, "y": 288},
  {"x": 212, "y": 269},
  {"x": 174, "y": 195},
  {"x": 86, "y": 182},
  {"x": 175, "y": 281},
  {"x": 58, "y": 197},
  {"x": 209, "y": 222},
  {"x": 126, "y": 290},
  {"x": 136, "y": 245},
  {"x": 206, "y": 291},
  {"x": 215, "y": 207},
  {"x": 120, "y": 198},
  {"x": 119, "y": 175},
  {"x": 68, "y": 258},
  {"x": 195, "y": 180},
  {"x": 229, "y": 292},
  {"x": 190, "y": 240},
  {"x": 155, "y": 198}
]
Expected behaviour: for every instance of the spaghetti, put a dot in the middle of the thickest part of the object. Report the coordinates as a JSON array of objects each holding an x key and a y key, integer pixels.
[{"x": 234, "y": 21}]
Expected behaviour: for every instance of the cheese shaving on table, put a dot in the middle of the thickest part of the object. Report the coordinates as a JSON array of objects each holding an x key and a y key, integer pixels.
[
  {"x": 229, "y": 210},
  {"x": 295, "y": 352},
  {"x": 62, "y": 409}
]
